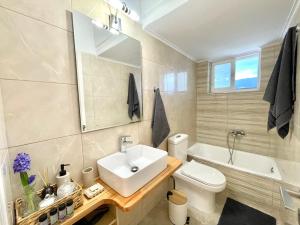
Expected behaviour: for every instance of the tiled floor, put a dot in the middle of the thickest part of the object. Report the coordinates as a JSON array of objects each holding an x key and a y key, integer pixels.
[{"x": 159, "y": 215}]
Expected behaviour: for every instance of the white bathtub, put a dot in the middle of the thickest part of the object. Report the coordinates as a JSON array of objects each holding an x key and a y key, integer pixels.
[{"x": 263, "y": 166}]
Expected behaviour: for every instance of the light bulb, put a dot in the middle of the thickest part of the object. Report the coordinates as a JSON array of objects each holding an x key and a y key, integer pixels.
[{"x": 122, "y": 6}]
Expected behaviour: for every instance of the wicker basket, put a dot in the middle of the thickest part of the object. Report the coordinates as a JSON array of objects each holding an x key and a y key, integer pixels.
[{"x": 32, "y": 219}]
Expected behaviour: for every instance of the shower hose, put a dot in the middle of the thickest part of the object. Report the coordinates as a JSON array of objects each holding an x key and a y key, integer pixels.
[{"x": 231, "y": 150}]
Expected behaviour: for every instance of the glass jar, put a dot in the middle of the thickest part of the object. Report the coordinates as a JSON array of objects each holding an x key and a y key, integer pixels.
[
  {"x": 62, "y": 212},
  {"x": 53, "y": 216},
  {"x": 70, "y": 208},
  {"x": 31, "y": 200},
  {"x": 43, "y": 219}
]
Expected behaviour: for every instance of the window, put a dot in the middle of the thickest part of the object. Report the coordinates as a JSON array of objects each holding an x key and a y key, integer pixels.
[
  {"x": 238, "y": 74},
  {"x": 182, "y": 82},
  {"x": 175, "y": 82},
  {"x": 169, "y": 82}
]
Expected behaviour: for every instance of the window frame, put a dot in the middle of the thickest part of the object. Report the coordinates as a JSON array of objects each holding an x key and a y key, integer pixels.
[{"x": 232, "y": 62}]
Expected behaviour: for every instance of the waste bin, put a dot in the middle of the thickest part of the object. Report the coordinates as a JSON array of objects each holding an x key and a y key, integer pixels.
[{"x": 177, "y": 207}]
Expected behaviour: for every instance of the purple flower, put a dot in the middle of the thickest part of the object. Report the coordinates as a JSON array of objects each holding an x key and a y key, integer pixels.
[
  {"x": 21, "y": 163},
  {"x": 31, "y": 179}
]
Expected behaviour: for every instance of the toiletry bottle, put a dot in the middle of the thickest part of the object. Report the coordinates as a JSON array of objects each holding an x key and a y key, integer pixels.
[
  {"x": 62, "y": 212},
  {"x": 63, "y": 176},
  {"x": 53, "y": 216},
  {"x": 70, "y": 208},
  {"x": 43, "y": 219}
]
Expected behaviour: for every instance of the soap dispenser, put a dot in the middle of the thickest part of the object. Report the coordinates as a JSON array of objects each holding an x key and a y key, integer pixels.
[{"x": 63, "y": 176}]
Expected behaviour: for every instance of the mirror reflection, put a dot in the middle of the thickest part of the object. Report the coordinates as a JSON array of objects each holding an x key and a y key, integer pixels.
[{"x": 109, "y": 73}]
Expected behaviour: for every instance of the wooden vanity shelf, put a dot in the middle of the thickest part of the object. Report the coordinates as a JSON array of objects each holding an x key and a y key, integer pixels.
[
  {"x": 111, "y": 197},
  {"x": 109, "y": 218}
]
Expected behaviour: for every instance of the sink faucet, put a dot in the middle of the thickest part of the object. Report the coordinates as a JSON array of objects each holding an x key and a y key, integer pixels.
[{"x": 124, "y": 142}]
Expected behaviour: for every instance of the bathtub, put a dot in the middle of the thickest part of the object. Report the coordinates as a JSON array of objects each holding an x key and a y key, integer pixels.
[{"x": 255, "y": 164}]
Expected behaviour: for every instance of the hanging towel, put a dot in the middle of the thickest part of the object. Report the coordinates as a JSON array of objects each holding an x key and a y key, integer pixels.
[
  {"x": 280, "y": 91},
  {"x": 160, "y": 125},
  {"x": 133, "y": 98}
]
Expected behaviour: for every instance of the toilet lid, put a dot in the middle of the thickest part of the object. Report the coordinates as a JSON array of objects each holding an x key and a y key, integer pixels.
[{"x": 204, "y": 174}]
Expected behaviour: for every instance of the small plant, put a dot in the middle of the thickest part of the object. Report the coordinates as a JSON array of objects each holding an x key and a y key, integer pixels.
[{"x": 22, "y": 164}]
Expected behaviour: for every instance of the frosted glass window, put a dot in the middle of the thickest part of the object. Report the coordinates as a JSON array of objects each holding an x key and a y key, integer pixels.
[
  {"x": 169, "y": 82},
  {"x": 182, "y": 82}
]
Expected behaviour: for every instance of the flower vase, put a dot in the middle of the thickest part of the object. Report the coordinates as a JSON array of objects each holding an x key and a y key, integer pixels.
[{"x": 31, "y": 200}]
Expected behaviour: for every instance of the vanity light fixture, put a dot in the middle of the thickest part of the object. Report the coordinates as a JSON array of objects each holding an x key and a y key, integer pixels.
[
  {"x": 114, "y": 27},
  {"x": 123, "y": 7}
]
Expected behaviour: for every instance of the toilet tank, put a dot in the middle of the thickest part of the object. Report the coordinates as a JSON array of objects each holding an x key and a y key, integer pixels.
[{"x": 178, "y": 145}]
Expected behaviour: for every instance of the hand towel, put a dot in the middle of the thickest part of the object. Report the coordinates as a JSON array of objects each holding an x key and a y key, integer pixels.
[
  {"x": 133, "y": 98},
  {"x": 280, "y": 91},
  {"x": 160, "y": 125}
]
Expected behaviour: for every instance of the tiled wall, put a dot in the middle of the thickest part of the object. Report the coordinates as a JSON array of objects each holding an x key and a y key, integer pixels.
[
  {"x": 105, "y": 96},
  {"x": 6, "y": 201},
  {"x": 38, "y": 81},
  {"x": 219, "y": 113}
]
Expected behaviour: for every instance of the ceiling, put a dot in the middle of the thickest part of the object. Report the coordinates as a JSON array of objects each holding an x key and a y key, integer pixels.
[{"x": 214, "y": 29}]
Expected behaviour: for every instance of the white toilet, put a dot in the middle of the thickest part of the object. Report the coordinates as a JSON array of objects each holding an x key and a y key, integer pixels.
[{"x": 200, "y": 182}]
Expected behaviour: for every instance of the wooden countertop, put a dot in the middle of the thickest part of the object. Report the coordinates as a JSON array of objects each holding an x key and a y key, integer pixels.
[{"x": 110, "y": 196}]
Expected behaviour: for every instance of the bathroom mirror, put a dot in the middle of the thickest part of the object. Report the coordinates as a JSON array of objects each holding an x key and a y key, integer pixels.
[{"x": 108, "y": 95}]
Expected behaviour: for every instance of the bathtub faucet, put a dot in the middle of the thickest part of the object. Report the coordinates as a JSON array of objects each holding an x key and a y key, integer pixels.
[{"x": 235, "y": 133}]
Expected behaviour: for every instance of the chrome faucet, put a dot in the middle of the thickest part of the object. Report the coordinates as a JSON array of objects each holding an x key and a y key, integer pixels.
[
  {"x": 124, "y": 142},
  {"x": 237, "y": 133}
]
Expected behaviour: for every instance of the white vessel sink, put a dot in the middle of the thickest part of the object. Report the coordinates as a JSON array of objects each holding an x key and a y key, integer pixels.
[{"x": 115, "y": 170}]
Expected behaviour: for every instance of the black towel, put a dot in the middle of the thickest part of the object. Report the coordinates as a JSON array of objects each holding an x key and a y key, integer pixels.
[
  {"x": 160, "y": 125},
  {"x": 133, "y": 98},
  {"x": 280, "y": 92}
]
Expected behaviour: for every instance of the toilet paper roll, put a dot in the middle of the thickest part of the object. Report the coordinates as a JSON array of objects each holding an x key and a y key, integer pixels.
[{"x": 88, "y": 177}]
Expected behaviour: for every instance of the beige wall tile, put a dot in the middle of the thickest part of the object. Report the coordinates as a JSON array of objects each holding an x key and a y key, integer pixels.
[
  {"x": 154, "y": 197},
  {"x": 5, "y": 184},
  {"x": 32, "y": 50},
  {"x": 7, "y": 203},
  {"x": 145, "y": 134},
  {"x": 104, "y": 142},
  {"x": 50, "y": 154},
  {"x": 152, "y": 75},
  {"x": 144, "y": 206},
  {"x": 132, "y": 217},
  {"x": 3, "y": 137},
  {"x": 53, "y": 12},
  {"x": 148, "y": 104},
  {"x": 39, "y": 111}
]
